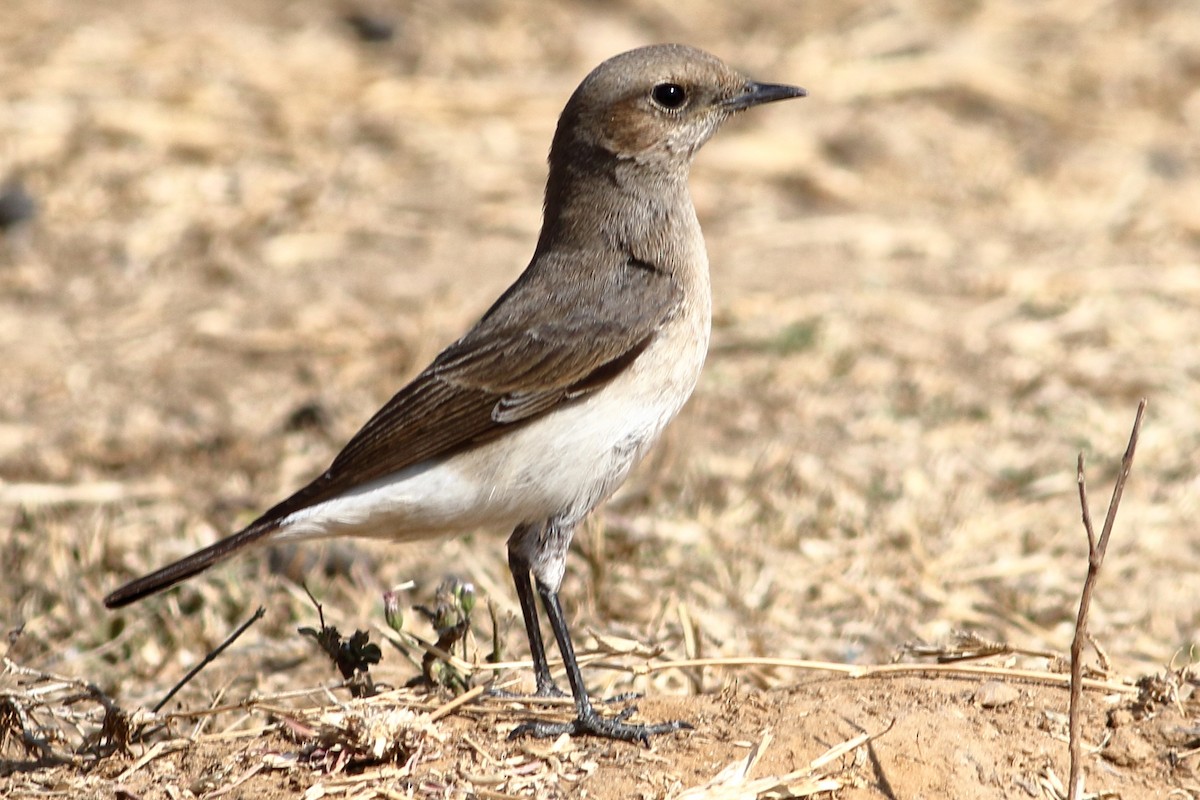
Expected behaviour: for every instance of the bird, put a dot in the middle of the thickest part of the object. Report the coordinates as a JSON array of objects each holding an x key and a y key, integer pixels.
[{"x": 538, "y": 413}]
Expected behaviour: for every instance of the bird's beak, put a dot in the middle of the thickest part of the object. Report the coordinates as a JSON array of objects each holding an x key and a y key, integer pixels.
[{"x": 755, "y": 94}]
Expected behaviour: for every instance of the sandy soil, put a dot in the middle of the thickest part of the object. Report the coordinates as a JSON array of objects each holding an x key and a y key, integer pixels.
[{"x": 957, "y": 264}]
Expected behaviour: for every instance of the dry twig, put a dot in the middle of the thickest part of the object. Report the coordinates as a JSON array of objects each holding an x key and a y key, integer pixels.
[
  {"x": 862, "y": 671},
  {"x": 1096, "y": 550},
  {"x": 42, "y": 714},
  {"x": 212, "y": 656}
]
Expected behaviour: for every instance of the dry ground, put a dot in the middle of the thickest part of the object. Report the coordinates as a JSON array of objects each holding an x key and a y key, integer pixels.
[{"x": 955, "y": 265}]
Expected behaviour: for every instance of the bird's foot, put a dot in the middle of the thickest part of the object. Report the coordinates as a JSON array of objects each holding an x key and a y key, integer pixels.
[
  {"x": 627, "y": 697},
  {"x": 592, "y": 724}
]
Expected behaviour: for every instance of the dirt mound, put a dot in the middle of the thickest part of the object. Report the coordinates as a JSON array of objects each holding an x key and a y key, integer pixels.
[{"x": 885, "y": 735}]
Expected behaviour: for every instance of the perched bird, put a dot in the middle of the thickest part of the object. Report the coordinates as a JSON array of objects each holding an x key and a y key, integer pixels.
[{"x": 540, "y": 411}]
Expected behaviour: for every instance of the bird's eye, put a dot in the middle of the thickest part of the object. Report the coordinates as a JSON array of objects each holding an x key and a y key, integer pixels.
[{"x": 669, "y": 95}]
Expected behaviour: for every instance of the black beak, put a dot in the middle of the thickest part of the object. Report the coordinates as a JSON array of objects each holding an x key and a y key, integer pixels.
[{"x": 755, "y": 94}]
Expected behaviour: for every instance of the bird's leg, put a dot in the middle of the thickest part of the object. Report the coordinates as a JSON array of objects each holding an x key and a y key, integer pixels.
[
  {"x": 518, "y": 564},
  {"x": 587, "y": 721}
]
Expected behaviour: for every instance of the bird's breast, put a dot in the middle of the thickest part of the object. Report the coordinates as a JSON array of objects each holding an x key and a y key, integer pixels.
[{"x": 556, "y": 467}]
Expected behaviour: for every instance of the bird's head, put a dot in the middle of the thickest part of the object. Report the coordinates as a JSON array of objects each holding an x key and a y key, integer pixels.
[{"x": 657, "y": 105}]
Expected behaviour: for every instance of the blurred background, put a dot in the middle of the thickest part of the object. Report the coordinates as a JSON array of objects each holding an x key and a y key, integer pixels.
[{"x": 232, "y": 230}]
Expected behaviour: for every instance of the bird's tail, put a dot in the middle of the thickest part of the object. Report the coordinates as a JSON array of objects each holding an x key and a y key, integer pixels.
[{"x": 186, "y": 567}]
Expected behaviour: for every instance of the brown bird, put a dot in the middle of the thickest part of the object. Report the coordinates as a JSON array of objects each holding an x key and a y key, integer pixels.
[{"x": 539, "y": 412}]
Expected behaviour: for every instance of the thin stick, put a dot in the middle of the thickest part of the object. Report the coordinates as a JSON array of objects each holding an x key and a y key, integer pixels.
[
  {"x": 208, "y": 659},
  {"x": 1096, "y": 550},
  {"x": 858, "y": 671},
  {"x": 462, "y": 699}
]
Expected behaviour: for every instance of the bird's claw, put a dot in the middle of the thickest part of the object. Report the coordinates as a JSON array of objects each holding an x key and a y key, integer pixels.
[{"x": 603, "y": 727}]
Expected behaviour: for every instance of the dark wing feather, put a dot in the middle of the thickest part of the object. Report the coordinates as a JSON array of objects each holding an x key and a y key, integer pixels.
[{"x": 538, "y": 347}]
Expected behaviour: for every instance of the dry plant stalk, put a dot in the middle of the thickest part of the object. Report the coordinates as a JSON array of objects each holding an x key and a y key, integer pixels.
[
  {"x": 211, "y": 657},
  {"x": 1096, "y": 550}
]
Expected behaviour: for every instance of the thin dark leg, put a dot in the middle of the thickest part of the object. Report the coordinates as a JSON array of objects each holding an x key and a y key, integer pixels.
[
  {"x": 558, "y": 624},
  {"x": 587, "y": 721},
  {"x": 537, "y": 648}
]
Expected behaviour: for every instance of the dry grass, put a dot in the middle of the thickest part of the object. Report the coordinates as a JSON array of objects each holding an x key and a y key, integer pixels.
[{"x": 956, "y": 264}]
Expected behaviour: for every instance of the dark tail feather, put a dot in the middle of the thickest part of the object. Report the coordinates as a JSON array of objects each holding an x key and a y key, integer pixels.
[{"x": 185, "y": 568}]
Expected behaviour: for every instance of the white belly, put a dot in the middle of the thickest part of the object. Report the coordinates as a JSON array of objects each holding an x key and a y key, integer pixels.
[{"x": 560, "y": 466}]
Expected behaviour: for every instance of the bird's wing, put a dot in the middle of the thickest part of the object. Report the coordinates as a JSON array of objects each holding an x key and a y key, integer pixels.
[
  {"x": 544, "y": 343},
  {"x": 538, "y": 347}
]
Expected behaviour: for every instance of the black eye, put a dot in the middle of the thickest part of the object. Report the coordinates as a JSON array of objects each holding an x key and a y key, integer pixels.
[{"x": 669, "y": 95}]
